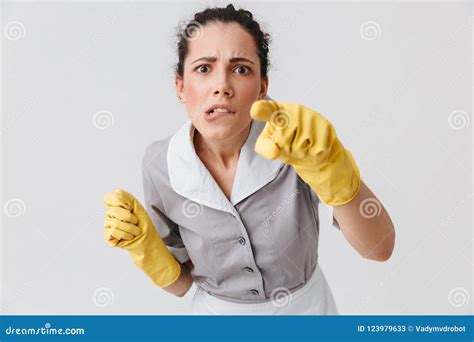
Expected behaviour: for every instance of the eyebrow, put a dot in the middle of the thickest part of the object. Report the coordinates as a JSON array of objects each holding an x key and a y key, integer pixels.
[{"x": 231, "y": 60}]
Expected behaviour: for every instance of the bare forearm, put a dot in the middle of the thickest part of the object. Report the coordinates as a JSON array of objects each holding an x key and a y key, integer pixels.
[
  {"x": 185, "y": 281},
  {"x": 366, "y": 225}
]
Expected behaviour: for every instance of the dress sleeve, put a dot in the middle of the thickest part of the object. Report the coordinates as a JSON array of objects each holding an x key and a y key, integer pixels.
[{"x": 167, "y": 229}]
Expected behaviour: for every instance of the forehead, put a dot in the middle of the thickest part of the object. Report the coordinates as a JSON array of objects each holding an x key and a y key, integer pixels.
[{"x": 223, "y": 39}]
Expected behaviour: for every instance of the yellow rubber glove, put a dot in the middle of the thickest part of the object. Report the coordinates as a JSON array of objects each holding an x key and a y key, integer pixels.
[
  {"x": 306, "y": 140},
  {"x": 128, "y": 226}
]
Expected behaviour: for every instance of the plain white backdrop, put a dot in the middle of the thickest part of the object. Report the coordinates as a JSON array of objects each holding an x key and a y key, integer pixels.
[{"x": 87, "y": 86}]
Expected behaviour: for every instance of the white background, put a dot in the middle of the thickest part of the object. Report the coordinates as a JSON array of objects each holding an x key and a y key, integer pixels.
[{"x": 398, "y": 93}]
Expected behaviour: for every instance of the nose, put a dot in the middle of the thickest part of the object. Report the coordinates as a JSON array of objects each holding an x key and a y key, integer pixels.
[
  {"x": 225, "y": 91},
  {"x": 223, "y": 88}
]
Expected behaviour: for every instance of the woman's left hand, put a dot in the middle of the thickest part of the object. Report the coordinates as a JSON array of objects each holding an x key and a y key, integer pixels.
[{"x": 303, "y": 138}]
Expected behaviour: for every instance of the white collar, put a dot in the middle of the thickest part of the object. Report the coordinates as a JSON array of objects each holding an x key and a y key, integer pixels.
[{"x": 191, "y": 179}]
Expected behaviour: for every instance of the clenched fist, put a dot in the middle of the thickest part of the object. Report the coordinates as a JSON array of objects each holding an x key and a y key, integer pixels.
[
  {"x": 128, "y": 226},
  {"x": 303, "y": 138}
]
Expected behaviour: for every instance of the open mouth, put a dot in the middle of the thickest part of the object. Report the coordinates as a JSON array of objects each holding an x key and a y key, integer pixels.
[
  {"x": 223, "y": 109},
  {"x": 218, "y": 111}
]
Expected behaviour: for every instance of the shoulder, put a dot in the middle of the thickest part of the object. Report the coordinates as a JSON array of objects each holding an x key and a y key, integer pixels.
[
  {"x": 155, "y": 153},
  {"x": 154, "y": 163}
]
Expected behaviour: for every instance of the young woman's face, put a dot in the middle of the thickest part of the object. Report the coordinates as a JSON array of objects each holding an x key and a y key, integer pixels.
[{"x": 222, "y": 69}]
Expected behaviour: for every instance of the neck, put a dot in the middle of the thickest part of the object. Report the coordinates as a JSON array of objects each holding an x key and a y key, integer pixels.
[{"x": 225, "y": 152}]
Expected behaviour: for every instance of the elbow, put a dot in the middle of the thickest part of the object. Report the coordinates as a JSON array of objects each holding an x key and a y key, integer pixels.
[
  {"x": 183, "y": 292},
  {"x": 185, "y": 286},
  {"x": 178, "y": 290},
  {"x": 381, "y": 257},
  {"x": 181, "y": 289},
  {"x": 384, "y": 251}
]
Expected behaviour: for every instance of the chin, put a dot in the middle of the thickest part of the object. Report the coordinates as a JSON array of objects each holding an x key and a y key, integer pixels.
[
  {"x": 223, "y": 128},
  {"x": 219, "y": 132}
]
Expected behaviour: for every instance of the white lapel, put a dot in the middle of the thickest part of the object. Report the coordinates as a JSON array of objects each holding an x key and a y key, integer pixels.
[
  {"x": 190, "y": 178},
  {"x": 253, "y": 171}
]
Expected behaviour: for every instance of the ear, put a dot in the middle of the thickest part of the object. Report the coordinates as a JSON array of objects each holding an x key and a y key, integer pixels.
[
  {"x": 179, "y": 83},
  {"x": 263, "y": 88}
]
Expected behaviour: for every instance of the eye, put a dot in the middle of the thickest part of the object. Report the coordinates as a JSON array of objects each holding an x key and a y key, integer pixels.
[
  {"x": 202, "y": 69},
  {"x": 245, "y": 69}
]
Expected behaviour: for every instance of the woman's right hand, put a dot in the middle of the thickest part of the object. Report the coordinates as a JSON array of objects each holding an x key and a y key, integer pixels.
[
  {"x": 128, "y": 226},
  {"x": 121, "y": 227}
]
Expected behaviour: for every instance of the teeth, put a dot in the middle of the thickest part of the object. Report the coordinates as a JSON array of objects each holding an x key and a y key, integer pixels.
[{"x": 221, "y": 110}]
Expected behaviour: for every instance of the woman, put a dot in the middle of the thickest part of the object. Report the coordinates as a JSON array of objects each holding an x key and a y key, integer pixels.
[{"x": 233, "y": 195}]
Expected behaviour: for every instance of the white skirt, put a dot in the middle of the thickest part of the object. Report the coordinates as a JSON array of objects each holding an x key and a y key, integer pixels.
[{"x": 314, "y": 298}]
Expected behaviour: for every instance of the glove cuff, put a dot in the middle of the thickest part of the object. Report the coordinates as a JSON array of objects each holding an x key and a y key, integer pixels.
[
  {"x": 337, "y": 181},
  {"x": 157, "y": 262}
]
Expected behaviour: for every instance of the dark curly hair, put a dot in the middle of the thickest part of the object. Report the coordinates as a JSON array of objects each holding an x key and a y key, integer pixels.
[{"x": 225, "y": 15}]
